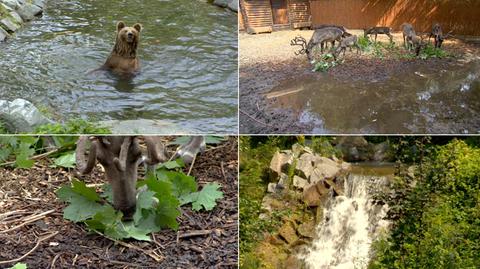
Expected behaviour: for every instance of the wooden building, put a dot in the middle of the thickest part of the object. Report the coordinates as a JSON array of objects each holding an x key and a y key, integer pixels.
[{"x": 263, "y": 16}]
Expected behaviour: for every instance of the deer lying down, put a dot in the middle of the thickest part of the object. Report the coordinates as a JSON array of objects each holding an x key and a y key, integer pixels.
[{"x": 120, "y": 156}]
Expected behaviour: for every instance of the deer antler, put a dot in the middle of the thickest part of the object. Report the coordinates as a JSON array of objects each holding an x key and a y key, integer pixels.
[
  {"x": 121, "y": 160},
  {"x": 155, "y": 150},
  {"x": 299, "y": 41},
  {"x": 86, "y": 166}
]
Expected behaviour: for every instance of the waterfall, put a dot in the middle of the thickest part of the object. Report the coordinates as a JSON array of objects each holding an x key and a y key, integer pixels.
[{"x": 350, "y": 223}]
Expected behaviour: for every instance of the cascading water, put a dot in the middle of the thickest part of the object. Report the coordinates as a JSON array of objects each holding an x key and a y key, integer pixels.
[{"x": 350, "y": 224}]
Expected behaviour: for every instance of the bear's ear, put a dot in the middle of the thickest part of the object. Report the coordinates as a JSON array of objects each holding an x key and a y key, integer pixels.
[
  {"x": 137, "y": 27},
  {"x": 120, "y": 25}
]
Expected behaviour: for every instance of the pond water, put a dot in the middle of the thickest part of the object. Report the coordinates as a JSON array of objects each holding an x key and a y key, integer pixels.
[
  {"x": 420, "y": 100},
  {"x": 188, "y": 57}
]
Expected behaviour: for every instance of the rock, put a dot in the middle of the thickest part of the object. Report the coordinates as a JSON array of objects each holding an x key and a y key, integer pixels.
[
  {"x": 21, "y": 116},
  {"x": 381, "y": 152},
  {"x": 279, "y": 163},
  {"x": 39, "y": 3},
  {"x": 299, "y": 183},
  {"x": 322, "y": 188},
  {"x": 3, "y": 34},
  {"x": 298, "y": 150},
  {"x": 354, "y": 148},
  {"x": 233, "y": 5},
  {"x": 304, "y": 167},
  {"x": 17, "y": 19},
  {"x": 307, "y": 229},
  {"x": 271, "y": 187},
  {"x": 13, "y": 4},
  {"x": 272, "y": 256},
  {"x": 221, "y": 3},
  {"x": 293, "y": 262},
  {"x": 29, "y": 11},
  {"x": 288, "y": 233},
  {"x": 311, "y": 197},
  {"x": 9, "y": 25},
  {"x": 269, "y": 203},
  {"x": 324, "y": 168},
  {"x": 283, "y": 181},
  {"x": 274, "y": 240},
  {"x": 319, "y": 215}
]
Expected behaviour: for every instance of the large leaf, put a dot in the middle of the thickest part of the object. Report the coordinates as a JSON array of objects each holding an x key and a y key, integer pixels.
[
  {"x": 205, "y": 198},
  {"x": 66, "y": 160}
]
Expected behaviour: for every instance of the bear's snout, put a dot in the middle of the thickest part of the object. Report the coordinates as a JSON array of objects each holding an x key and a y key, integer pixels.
[{"x": 130, "y": 36}]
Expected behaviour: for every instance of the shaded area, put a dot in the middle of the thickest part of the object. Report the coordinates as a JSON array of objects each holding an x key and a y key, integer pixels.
[
  {"x": 187, "y": 52},
  {"x": 33, "y": 191}
]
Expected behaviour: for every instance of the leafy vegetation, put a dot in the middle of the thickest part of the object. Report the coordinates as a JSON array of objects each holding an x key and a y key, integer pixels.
[
  {"x": 73, "y": 126},
  {"x": 159, "y": 197},
  {"x": 325, "y": 63},
  {"x": 439, "y": 222},
  {"x": 431, "y": 52},
  {"x": 19, "y": 266}
]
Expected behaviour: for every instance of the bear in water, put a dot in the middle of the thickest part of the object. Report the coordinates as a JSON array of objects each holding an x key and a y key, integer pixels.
[{"x": 123, "y": 58}]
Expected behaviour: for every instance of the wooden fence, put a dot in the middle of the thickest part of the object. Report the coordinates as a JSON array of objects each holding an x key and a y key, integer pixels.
[{"x": 461, "y": 16}]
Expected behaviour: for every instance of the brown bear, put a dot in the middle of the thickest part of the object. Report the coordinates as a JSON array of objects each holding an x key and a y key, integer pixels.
[{"x": 123, "y": 58}]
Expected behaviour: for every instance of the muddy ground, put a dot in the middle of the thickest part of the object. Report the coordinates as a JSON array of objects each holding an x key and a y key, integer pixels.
[
  {"x": 266, "y": 60},
  {"x": 28, "y": 192}
]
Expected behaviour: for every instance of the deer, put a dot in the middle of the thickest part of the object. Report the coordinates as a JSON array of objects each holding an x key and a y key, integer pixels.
[
  {"x": 438, "y": 36},
  {"x": 378, "y": 30},
  {"x": 121, "y": 156},
  {"x": 349, "y": 41},
  {"x": 411, "y": 40},
  {"x": 320, "y": 36}
]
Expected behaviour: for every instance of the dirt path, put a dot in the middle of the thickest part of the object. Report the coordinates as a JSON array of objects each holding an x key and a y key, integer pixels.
[
  {"x": 32, "y": 191},
  {"x": 267, "y": 60}
]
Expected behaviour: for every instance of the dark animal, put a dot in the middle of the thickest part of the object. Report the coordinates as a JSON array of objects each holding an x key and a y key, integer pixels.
[
  {"x": 349, "y": 41},
  {"x": 408, "y": 33},
  {"x": 123, "y": 58},
  {"x": 437, "y": 35},
  {"x": 378, "y": 31},
  {"x": 320, "y": 36}
]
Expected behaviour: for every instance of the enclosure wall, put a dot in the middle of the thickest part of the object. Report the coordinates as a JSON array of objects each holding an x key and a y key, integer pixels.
[{"x": 460, "y": 16}]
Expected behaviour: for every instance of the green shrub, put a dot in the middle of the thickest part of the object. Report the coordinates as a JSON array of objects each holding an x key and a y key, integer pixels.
[{"x": 73, "y": 126}]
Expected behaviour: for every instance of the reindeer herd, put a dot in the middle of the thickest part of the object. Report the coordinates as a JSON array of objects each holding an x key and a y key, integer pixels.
[{"x": 331, "y": 33}]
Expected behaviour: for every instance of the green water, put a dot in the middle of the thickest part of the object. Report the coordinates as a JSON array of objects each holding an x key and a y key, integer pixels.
[{"x": 188, "y": 55}]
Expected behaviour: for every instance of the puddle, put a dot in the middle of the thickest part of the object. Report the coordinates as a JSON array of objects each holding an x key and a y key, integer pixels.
[{"x": 418, "y": 100}]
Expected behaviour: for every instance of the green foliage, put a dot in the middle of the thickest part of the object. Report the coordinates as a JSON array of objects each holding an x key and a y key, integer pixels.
[
  {"x": 21, "y": 147},
  {"x": 325, "y": 63},
  {"x": 66, "y": 160},
  {"x": 322, "y": 146},
  {"x": 73, "y": 126},
  {"x": 157, "y": 207},
  {"x": 429, "y": 51},
  {"x": 209, "y": 139},
  {"x": 206, "y": 198},
  {"x": 440, "y": 219},
  {"x": 19, "y": 266}
]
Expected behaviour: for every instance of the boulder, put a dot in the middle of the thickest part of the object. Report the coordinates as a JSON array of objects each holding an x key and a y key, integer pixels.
[
  {"x": 270, "y": 203},
  {"x": 311, "y": 197},
  {"x": 324, "y": 168},
  {"x": 304, "y": 167},
  {"x": 288, "y": 233},
  {"x": 21, "y": 116},
  {"x": 221, "y": 3},
  {"x": 29, "y": 11},
  {"x": 39, "y": 3},
  {"x": 3, "y": 34},
  {"x": 381, "y": 152},
  {"x": 293, "y": 262},
  {"x": 298, "y": 150},
  {"x": 283, "y": 181},
  {"x": 280, "y": 163},
  {"x": 354, "y": 148},
  {"x": 271, "y": 187},
  {"x": 233, "y": 5},
  {"x": 9, "y": 25},
  {"x": 299, "y": 183},
  {"x": 307, "y": 229},
  {"x": 319, "y": 215},
  {"x": 16, "y": 17},
  {"x": 13, "y": 4}
]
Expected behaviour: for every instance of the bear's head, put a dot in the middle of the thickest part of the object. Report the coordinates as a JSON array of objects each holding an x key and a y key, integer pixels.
[{"x": 128, "y": 34}]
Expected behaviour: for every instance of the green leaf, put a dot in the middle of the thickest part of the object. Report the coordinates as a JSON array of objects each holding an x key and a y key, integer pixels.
[
  {"x": 167, "y": 211},
  {"x": 214, "y": 139},
  {"x": 145, "y": 201},
  {"x": 81, "y": 209},
  {"x": 136, "y": 232},
  {"x": 19, "y": 266},
  {"x": 178, "y": 163},
  {"x": 206, "y": 198},
  {"x": 180, "y": 140},
  {"x": 66, "y": 160},
  {"x": 181, "y": 183},
  {"x": 107, "y": 193}
]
